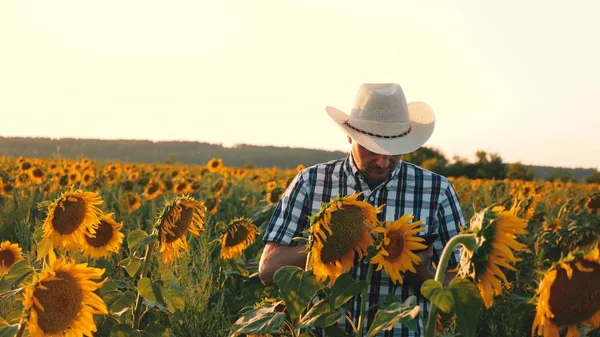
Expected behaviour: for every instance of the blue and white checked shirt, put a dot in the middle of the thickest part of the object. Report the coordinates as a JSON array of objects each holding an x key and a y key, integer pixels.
[{"x": 410, "y": 189}]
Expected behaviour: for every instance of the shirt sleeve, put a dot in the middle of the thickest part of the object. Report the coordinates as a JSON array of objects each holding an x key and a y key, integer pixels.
[
  {"x": 449, "y": 218},
  {"x": 290, "y": 217}
]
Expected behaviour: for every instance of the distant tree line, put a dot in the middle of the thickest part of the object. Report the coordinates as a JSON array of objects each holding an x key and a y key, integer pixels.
[{"x": 485, "y": 166}]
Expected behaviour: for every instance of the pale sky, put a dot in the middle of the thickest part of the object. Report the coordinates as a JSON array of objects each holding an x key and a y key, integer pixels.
[{"x": 519, "y": 78}]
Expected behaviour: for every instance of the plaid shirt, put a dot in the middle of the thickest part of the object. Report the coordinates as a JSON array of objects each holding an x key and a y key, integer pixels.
[{"x": 408, "y": 190}]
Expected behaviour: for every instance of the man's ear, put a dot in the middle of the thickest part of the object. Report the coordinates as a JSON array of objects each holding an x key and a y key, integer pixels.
[{"x": 349, "y": 139}]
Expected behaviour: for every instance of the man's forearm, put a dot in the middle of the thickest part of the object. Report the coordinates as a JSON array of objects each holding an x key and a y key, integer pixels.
[{"x": 276, "y": 256}]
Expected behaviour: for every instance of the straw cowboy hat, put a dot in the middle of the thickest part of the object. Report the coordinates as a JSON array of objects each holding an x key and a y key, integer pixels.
[{"x": 382, "y": 122}]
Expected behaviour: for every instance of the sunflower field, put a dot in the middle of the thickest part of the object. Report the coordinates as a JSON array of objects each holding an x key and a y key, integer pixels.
[{"x": 122, "y": 249}]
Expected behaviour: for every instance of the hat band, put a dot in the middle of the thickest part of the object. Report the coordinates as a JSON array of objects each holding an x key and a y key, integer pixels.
[{"x": 376, "y": 135}]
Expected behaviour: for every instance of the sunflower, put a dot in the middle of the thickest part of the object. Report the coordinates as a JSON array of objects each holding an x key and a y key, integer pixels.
[
  {"x": 396, "y": 250},
  {"x": 25, "y": 165},
  {"x": 132, "y": 202},
  {"x": 299, "y": 168},
  {"x": 182, "y": 187},
  {"x": 183, "y": 214},
  {"x": 271, "y": 185},
  {"x": 568, "y": 295},
  {"x": 340, "y": 228},
  {"x": 38, "y": 175},
  {"x": 62, "y": 301},
  {"x": 219, "y": 187},
  {"x": 593, "y": 203},
  {"x": 133, "y": 176},
  {"x": 106, "y": 240},
  {"x": 213, "y": 205},
  {"x": 6, "y": 188},
  {"x": 496, "y": 232},
  {"x": 215, "y": 165},
  {"x": 273, "y": 196},
  {"x": 154, "y": 188},
  {"x": 70, "y": 216},
  {"x": 10, "y": 253},
  {"x": 240, "y": 234},
  {"x": 88, "y": 178}
]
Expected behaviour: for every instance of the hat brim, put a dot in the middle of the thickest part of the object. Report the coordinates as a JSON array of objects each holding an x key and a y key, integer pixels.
[{"x": 422, "y": 120}]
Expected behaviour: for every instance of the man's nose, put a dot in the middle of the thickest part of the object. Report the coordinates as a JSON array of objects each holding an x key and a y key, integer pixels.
[{"x": 383, "y": 161}]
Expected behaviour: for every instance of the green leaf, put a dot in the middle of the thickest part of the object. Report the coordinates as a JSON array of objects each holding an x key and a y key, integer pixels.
[
  {"x": 344, "y": 289},
  {"x": 439, "y": 296},
  {"x": 335, "y": 331},
  {"x": 307, "y": 334},
  {"x": 121, "y": 330},
  {"x": 121, "y": 303},
  {"x": 144, "y": 287},
  {"x": 396, "y": 312},
  {"x": 43, "y": 248},
  {"x": 9, "y": 330},
  {"x": 173, "y": 288},
  {"x": 319, "y": 316},
  {"x": 131, "y": 264},
  {"x": 14, "y": 317},
  {"x": 164, "y": 297},
  {"x": 468, "y": 305},
  {"x": 3, "y": 322},
  {"x": 259, "y": 321},
  {"x": 297, "y": 288},
  {"x": 19, "y": 271},
  {"x": 135, "y": 239},
  {"x": 106, "y": 265}
]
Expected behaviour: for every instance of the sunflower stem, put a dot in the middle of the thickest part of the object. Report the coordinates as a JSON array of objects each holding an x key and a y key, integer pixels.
[
  {"x": 467, "y": 240},
  {"x": 363, "y": 302},
  {"x": 138, "y": 302},
  {"x": 23, "y": 324}
]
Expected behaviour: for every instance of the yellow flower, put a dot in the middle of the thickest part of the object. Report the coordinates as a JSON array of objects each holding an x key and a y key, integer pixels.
[
  {"x": 62, "y": 300},
  {"x": 70, "y": 216},
  {"x": 219, "y": 187},
  {"x": 240, "y": 234},
  {"x": 568, "y": 295},
  {"x": 106, "y": 240},
  {"x": 396, "y": 251},
  {"x": 340, "y": 228},
  {"x": 183, "y": 214},
  {"x": 274, "y": 195},
  {"x": 154, "y": 189},
  {"x": 10, "y": 253},
  {"x": 132, "y": 202},
  {"x": 271, "y": 185},
  {"x": 496, "y": 232},
  {"x": 215, "y": 165}
]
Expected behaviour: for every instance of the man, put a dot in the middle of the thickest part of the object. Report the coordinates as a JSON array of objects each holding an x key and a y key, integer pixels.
[{"x": 380, "y": 128}]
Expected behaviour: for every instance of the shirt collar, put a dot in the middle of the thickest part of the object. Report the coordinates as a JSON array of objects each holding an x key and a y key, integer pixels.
[{"x": 352, "y": 171}]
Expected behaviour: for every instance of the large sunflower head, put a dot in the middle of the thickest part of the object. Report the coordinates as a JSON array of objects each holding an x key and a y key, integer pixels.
[
  {"x": 61, "y": 301},
  {"x": 569, "y": 295},
  {"x": 339, "y": 229},
  {"x": 396, "y": 250},
  {"x": 496, "y": 230},
  {"x": 239, "y": 234},
  {"x": 179, "y": 216},
  {"x": 107, "y": 239},
  {"x": 70, "y": 216},
  {"x": 10, "y": 253}
]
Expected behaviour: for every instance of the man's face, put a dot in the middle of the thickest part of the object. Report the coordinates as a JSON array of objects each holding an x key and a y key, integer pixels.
[{"x": 374, "y": 166}]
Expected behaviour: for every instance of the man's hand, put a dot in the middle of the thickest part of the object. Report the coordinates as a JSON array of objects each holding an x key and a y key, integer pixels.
[{"x": 275, "y": 256}]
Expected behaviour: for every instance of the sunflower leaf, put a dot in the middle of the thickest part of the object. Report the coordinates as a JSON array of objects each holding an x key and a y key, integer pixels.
[
  {"x": 439, "y": 296},
  {"x": 297, "y": 288},
  {"x": 43, "y": 247},
  {"x": 319, "y": 316},
  {"x": 138, "y": 239},
  {"x": 344, "y": 289},
  {"x": 396, "y": 312},
  {"x": 146, "y": 290},
  {"x": 468, "y": 305},
  {"x": 131, "y": 264},
  {"x": 9, "y": 330},
  {"x": 121, "y": 303},
  {"x": 258, "y": 321},
  {"x": 17, "y": 273}
]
